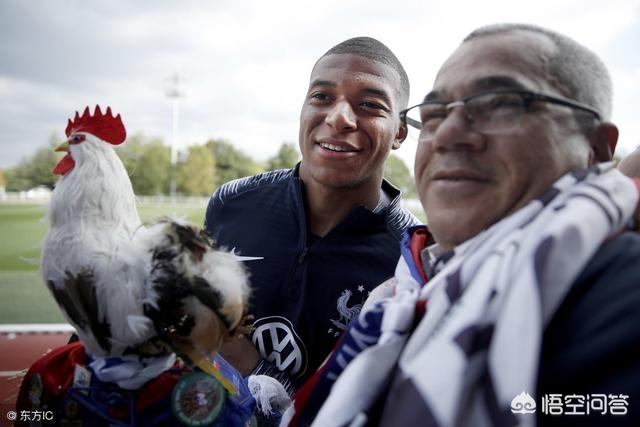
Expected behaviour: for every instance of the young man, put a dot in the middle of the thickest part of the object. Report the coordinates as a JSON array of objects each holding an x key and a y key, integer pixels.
[
  {"x": 319, "y": 237},
  {"x": 523, "y": 289}
]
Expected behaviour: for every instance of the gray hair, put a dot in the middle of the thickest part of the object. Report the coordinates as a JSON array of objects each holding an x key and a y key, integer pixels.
[
  {"x": 577, "y": 68},
  {"x": 374, "y": 50}
]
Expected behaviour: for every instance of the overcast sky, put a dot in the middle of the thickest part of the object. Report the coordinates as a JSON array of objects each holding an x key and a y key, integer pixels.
[{"x": 246, "y": 64}]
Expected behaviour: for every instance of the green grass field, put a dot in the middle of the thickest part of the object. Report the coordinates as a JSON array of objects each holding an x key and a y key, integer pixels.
[{"x": 23, "y": 296}]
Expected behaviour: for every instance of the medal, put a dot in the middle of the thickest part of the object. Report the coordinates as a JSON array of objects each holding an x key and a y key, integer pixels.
[{"x": 197, "y": 399}]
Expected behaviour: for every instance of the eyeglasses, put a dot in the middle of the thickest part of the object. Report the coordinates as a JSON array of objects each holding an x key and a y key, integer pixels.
[{"x": 488, "y": 113}]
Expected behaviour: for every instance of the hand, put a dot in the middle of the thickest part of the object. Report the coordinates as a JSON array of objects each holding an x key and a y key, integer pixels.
[{"x": 241, "y": 354}]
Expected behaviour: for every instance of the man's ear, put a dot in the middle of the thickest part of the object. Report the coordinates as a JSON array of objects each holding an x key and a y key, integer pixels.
[
  {"x": 401, "y": 135},
  {"x": 603, "y": 141}
]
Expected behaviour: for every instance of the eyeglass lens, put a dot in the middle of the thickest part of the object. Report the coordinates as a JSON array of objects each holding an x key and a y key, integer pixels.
[{"x": 486, "y": 113}]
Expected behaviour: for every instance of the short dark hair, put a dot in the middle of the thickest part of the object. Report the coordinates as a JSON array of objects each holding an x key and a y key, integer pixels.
[
  {"x": 374, "y": 50},
  {"x": 577, "y": 68}
]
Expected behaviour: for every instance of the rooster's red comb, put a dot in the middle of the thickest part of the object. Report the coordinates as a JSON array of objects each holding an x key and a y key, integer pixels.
[{"x": 104, "y": 126}]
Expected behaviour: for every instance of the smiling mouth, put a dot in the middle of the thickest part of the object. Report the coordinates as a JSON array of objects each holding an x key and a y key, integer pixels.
[
  {"x": 457, "y": 178},
  {"x": 336, "y": 148}
]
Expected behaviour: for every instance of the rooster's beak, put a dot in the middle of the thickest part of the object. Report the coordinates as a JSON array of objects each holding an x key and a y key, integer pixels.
[{"x": 62, "y": 147}]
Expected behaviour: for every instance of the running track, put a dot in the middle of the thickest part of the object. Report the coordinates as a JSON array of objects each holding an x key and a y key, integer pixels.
[{"x": 20, "y": 346}]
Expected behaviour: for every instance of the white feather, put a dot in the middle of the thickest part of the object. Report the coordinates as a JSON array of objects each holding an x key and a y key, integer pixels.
[
  {"x": 92, "y": 218},
  {"x": 268, "y": 393},
  {"x": 94, "y": 227}
]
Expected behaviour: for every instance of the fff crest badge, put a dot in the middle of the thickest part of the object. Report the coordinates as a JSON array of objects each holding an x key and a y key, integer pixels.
[{"x": 197, "y": 399}]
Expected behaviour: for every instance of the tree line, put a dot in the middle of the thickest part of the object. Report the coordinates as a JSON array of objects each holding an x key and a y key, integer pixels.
[{"x": 199, "y": 170}]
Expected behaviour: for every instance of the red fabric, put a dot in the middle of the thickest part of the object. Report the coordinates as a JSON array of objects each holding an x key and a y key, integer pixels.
[
  {"x": 56, "y": 373},
  {"x": 158, "y": 387},
  {"x": 301, "y": 395},
  {"x": 56, "y": 370},
  {"x": 418, "y": 243},
  {"x": 421, "y": 309}
]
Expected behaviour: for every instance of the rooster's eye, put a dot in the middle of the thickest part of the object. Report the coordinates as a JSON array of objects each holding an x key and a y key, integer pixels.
[{"x": 76, "y": 139}]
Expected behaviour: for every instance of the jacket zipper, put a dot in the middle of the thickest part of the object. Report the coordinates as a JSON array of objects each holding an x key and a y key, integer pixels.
[{"x": 303, "y": 255}]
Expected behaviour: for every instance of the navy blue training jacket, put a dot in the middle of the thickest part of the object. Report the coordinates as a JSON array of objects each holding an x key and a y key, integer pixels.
[{"x": 304, "y": 291}]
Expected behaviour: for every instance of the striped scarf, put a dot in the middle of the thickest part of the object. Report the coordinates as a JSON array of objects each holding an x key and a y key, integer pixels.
[{"x": 477, "y": 346}]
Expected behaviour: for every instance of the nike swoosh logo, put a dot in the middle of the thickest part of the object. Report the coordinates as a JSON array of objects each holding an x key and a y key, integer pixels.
[{"x": 244, "y": 258}]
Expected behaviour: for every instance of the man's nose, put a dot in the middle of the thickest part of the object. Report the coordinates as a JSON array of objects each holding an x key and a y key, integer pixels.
[
  {"x": 341, "y": 116},
  {"x": 456, "y": 132}
]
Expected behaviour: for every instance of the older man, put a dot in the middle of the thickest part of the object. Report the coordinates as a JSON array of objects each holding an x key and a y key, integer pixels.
[{"x": 519, "y": 302}]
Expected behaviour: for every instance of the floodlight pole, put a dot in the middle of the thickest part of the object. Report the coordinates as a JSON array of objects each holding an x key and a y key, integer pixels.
[{"x": 174, "y": 91}]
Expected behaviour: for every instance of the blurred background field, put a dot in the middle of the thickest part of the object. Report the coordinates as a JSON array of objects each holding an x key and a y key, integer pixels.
[{"x": 23, "y": 296}]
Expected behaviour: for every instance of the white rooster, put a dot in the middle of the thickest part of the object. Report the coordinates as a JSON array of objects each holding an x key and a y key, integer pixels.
[{"x": 120, "y": 283}]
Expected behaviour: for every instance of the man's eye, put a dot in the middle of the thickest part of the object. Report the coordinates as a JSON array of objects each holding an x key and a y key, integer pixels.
[
  {"x": 372, "y": 105},
  {"x": 432, "y": 113},
  {"x": 500, "y": 102},
  {"x": 319, "y": 96}
]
